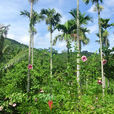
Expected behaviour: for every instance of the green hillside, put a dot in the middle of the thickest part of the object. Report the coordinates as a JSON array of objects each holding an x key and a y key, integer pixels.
[{"x": 61, "y": 87}]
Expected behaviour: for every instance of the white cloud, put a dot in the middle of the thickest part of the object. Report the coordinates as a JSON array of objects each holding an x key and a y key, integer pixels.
[
  {"x": 11, "y": 36},
  {"x": 61, "y": 44},
  {"x": 24, "y": 39},
  {"x": 93, "y": 28},
  {"x": 64, "y": 19},
  {"x": 44, "y": 41},
  {"x": 91, "y": 10},
  {"x": 109, "y": 3}
]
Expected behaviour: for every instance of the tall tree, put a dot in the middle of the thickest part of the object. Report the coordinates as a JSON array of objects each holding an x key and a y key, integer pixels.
[
  {"x": 35, "y": 19},
  {"x": 97, "y": 3},
  {"x": 104, "y": 32},
  {"x": 68, "y": 34},
  {"x": 66, "y": 30},
  {"x": 104, "y": 35},
  {"x": 78, "y": 48},
  {"x": 30, "y": 30},
  {"x": 83, "y": 20},
  {"x": 83, "y": 39},
  {"x": 52, "y": 19},
  {"x": 105, "y": 25}
]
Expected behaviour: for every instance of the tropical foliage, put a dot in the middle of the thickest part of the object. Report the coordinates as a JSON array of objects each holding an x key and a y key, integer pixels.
[{"x": 70, "y": 82}]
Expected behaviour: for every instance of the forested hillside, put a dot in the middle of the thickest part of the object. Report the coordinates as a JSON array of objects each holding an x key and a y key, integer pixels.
[
  {"x": 52, "y": 74},
  {"x": 62, "y": 86}
]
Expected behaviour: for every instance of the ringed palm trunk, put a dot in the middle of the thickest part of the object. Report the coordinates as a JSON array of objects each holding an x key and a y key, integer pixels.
[
  {"x": 51, "y": 54},
  {"x": 68, "y": 52},
  {"x": 107, "y": 78},
  {"x": 78, "y": 54},
  {"x": 29, "y": 58},
  {"x": 80, "y": 46},
  {"x": 32, "y": 50},
  {"x": 102, "y": 72}
]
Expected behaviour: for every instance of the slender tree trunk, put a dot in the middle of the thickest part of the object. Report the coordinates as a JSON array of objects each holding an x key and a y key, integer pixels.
[
  {"x": 78, "y": 53},
  {"x": 29, "y": 59},
  {"x": 32, "y": 50},
  {"x": 80, "y": 46},
  {"x": 50, "y": 54},
  {"x": 68, "y": 55},
  {"x": 106, "y": 43},
  {"x": 51, "y": 61},
  {"x": 102, "y": 72},
  {"x": 68, "y": 52}
]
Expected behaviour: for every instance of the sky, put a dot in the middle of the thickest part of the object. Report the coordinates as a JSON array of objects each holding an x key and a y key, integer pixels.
[{"x": 19, "y": 25}]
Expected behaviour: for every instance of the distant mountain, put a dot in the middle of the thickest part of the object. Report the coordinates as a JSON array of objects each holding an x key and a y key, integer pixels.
[{"x": 16, "y": 44}]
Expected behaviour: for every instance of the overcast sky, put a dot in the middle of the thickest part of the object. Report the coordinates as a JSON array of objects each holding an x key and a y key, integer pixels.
[{"x": 10, "y": 14}]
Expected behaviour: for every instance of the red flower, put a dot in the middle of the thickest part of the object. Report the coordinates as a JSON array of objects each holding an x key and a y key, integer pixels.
[
  {"x": 104, "y": 62},
  {"x": 29, "y": 66},
  {"x": 99, "y": 82},
  {"x": 50, "y": 103}
]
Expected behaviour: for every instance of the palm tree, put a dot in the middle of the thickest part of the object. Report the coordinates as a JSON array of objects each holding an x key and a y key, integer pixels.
[
  {"x": 35, "y": 19},
  {"x": 78, "y": 48},
  {"x": 52, "y": 19},
  {"x": 97, "y": 3},
  {"x": 104, "y": 35},
  {"x": 69, "y": 35},
  {"x": 105, "y": 25},
  {"x": 81, "y": 19},
  {"x": 29, "y": 59},
  {"x": 104, "y": 32},
  {"x": 66, "y": 30}
]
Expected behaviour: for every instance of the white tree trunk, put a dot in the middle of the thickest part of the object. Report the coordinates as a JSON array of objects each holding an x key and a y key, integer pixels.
[
  {"x": 32, "y": 50},
  {"x": 78, "y": 49},
  {"x": 29, "y": 59},
  {"x": 51, "y": 54},
  {"x": 102, "y": 72}
]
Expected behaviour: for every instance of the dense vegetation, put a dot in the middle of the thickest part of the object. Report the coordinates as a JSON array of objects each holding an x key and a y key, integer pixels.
[
  {"x": 43, "y": 81},
  {"x": 62, "y": 88}
]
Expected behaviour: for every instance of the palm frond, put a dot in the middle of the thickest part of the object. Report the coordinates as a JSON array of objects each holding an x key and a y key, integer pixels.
[
  {"x": 73, "y": 13},
  {"x": 61, "y": 27},
  {"x": 59, "y": 37},
  {"x": 51, "y": 17},
  {"x": 86, "y": 1},
  {"x": 25, "y": 13}
]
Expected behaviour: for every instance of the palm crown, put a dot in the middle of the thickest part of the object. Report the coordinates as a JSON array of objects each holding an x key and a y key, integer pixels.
[
  {"x": 52, "y": 18},
  {"x": 93, "y": 1}
]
